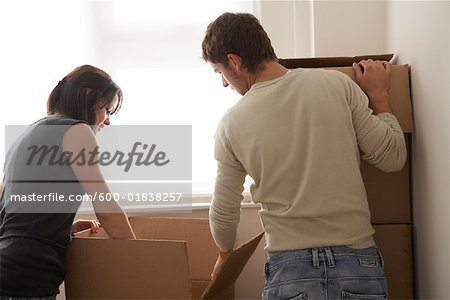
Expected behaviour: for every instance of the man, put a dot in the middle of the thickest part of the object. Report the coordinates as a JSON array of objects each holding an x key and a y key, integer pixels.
[{"x": 299, "y": 135}]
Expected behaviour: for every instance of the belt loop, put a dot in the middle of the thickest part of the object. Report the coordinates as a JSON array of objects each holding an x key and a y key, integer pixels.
[
  {"x": 315, "y": 257},
  {"x": 330, "y": 257}
]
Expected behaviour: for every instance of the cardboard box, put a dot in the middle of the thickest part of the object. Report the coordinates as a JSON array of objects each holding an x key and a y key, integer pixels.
[
  {"x": 103, "y": 268},
  {"x": 388, "y": 194},
  {"x": 394, "y": 243},
  {"x": 177, "y": 263}
]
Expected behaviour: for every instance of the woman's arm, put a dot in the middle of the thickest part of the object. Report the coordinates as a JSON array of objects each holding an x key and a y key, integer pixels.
[{"x": 113, "y": 219}]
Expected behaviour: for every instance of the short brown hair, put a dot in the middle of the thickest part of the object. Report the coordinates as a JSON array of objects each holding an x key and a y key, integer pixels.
[
  {"x": 237, "y": 33},
  {"x": 82, "y": 93}
]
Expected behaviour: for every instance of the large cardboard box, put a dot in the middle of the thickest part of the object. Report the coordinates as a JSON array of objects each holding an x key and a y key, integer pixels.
[
  {"x": 388, "y": 194},
  {"x": 394, "y": 243},
  {"x": 175, "y": 263},
  {"x": 103, "y": 268}
]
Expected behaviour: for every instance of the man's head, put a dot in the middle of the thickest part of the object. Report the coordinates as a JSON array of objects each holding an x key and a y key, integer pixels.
[{"x": 241, "y": 35}]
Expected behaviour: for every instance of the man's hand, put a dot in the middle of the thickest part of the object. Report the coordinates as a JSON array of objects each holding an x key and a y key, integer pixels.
[
  {"x": 374, "y": 79},
  {"x": 80, "y": 225},
  {"x": 220, "y": 260}
]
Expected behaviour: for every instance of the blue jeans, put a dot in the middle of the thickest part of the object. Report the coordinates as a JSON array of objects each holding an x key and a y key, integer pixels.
[{"x": 326, "y": 273}]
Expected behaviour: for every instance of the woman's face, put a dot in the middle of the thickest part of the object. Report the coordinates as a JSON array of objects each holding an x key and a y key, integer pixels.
[{"x": 103, "y": 114}]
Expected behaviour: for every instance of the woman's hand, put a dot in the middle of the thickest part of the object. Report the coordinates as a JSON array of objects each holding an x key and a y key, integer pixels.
[{"x": 80, "y": 225}]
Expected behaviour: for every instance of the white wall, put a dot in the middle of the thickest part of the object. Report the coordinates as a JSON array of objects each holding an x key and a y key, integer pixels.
[
  {"x": 348, "y": 28},
  {"x": 289, "y": 26},
  {"x": 325, "y": 28},
  {"x": 420, "y": 33}
]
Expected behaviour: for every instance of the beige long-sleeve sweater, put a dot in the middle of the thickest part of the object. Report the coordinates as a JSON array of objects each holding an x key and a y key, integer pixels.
[{"x": 299, "y": 137}]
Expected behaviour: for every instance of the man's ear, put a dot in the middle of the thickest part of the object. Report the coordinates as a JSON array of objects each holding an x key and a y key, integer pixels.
[{"x": 235, "y": 60}]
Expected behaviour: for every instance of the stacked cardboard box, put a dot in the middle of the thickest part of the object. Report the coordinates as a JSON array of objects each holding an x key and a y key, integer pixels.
[{"x": 388, "y": 193}]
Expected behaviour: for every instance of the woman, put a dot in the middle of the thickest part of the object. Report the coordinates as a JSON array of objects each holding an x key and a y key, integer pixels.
[{"x": 34, "y": 234}]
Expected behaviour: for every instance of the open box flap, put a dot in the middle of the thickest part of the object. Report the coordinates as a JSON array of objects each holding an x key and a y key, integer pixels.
[{"x": 231, "y": 268}]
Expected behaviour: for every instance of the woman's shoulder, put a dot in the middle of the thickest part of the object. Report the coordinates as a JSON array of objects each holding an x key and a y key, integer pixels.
[{"x": 59, "y": 120}]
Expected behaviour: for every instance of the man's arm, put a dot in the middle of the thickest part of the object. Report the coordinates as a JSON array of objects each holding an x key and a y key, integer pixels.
[
  {"x": 225, "y": 209},
  {"x": 378, "y": 132}
]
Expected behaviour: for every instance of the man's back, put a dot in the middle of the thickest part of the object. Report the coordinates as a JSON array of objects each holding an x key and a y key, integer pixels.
[{"x": 297, "y": 136}]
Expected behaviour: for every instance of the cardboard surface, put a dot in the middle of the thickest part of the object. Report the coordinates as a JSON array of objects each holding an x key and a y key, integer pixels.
[
  {"x": 323, "y": 62},
  {"x": 394, "y": 243},
  {"x": 127, "y": 269},
  {"x": 202, "y": 250},
  {"x": 231, "y": 268},
  {"x": 199, "y": 287},
  {"x": 388, "y": 194}
]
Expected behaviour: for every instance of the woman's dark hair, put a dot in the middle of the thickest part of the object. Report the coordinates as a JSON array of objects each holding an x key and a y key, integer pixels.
[
  {"x": 241, "y": 34},
  {"x": 82, "y": 93}
]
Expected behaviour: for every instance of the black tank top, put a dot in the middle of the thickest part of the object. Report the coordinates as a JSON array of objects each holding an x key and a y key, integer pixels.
[{"x": 34, "y": 234}]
